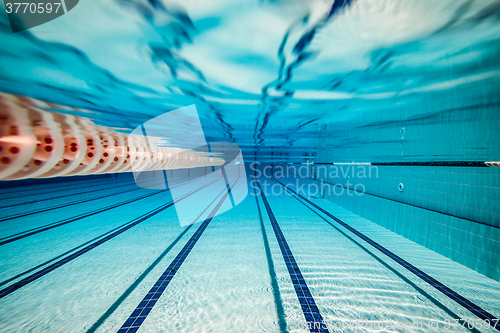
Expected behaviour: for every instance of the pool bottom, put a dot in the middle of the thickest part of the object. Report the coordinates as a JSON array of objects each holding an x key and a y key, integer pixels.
[{"x": 224, "y": 284}]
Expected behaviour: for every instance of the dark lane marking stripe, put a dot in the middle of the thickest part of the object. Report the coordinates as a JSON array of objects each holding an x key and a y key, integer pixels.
[
  {"x": 278, "y": 302},
  {"x": 58, "y": 185},
  {"x": 41, "y": 189},
  {"x": 134, "y": 285},
  {"x": 60, "y": 256},
  {"x": 135, "y": 320},
  {"x": 309, "y": 308},
  {"x": 30, "y": 232},
  {"x": 401, "y": 276},
  {"x": 8, "y": 218},
  {"x": 34, "y": 231},
  {"x": 475, "y": 309},
  {"x": 40, "y": 192},
  {"x": 228, "y": 187},
  {"x": 10, "y": 289},
  {"x": 65, "y": 196},
  {"x": 69, "y": 251}
]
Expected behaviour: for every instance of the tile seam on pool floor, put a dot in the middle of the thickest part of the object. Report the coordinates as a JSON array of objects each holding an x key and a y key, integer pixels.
[
  {"x": 451, "y": 294},
  {"x": 308, "y": 305},
  {"x": 140, "y": 313},
  {"x": 10, "y": 289},
  {"x": 401, "y": 276}
]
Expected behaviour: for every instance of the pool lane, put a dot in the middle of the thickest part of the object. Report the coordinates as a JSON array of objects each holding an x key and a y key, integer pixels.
[
  {"x": 139, "y": 315},
  {"x": 16, "y": 257},
  {"x": 223, "y": 285},
  {"x": 62, "y": 193},
  {"x": 40, "y": 219},
  {"x": 347, "y": 283},
  {"x": 20, "y": 191},
  {"x": 226, "y": 284},
  {"x": 54, "y": 224},
  {"x": 84, "y": 288},
  {"x": 33, "y": 209},
  {"x": 445, "y": 290},
  {"x": 457, "y": 283},
  {"x": 313, "y": 316}
]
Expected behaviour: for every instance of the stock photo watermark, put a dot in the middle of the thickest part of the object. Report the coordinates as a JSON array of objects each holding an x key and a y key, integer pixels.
[
  {"x": 311, "y": 181},
  {"x": 384, "y": 325},
  {"x": 28, "y": 14}
]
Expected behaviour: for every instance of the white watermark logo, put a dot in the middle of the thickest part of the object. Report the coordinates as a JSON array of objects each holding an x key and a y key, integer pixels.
[
  {"x": 27, "y": 14},
  {"x": 311, "y": 181},
  {"x": 172, "y": 149}
]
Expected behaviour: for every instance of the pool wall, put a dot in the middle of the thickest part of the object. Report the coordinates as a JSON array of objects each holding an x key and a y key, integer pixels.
[{"x": 450, "y": 210}]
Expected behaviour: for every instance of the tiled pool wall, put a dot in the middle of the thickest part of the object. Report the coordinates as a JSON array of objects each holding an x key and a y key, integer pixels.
[{"x": 453, "y": 211}]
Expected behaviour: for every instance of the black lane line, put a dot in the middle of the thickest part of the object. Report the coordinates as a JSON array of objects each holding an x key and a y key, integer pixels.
[
  {"x": 278, "y": 302},
  {"x": 34, "y": 231},
  {"x": 65, "y": 196},
  {"x": 383, "y": 263},
  {"x": 134, "y": 285},
  {"x": 41, "y": 191},
  {"x": 228, "y": 187},
  {"x": 60, "y": 256},
  {"x": 311, "y": 312},
  {"x": 10, "y": 289},
  {"x": 65, "y": 205},
  {"x": 135, "y": 320},
  {"x": 67, "y": 252},
  {"x": 30, "y": 232},
  {"x": 54, "y": 185},
  {"x": 453, "y": 295}
]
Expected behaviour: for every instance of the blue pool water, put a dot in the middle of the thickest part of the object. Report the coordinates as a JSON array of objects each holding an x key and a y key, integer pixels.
[{"x": 369, "y": 132}]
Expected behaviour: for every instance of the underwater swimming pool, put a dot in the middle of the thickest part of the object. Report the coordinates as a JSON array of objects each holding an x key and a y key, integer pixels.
[
  {"x": 90, "y": 268},
  {"x": 253, "y": 166}
]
